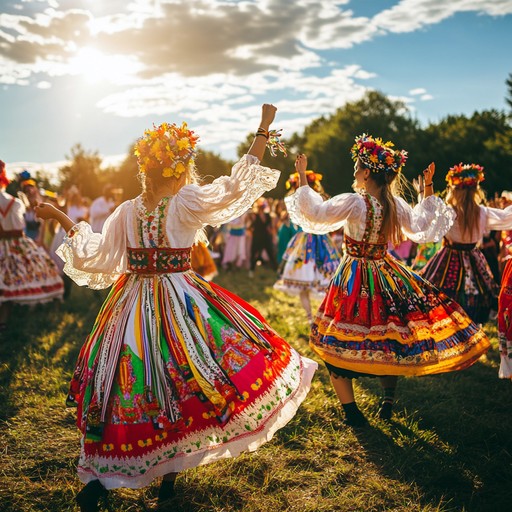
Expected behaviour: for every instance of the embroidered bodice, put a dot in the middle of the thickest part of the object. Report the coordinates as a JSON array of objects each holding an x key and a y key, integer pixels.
[{"x": 97, "y": 259}]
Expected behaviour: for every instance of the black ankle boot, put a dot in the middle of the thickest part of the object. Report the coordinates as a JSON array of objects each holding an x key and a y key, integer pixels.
[
  {"x": 385, "y": 411},
  {"x": 353, "y": 416},
  {"x": 89, "y": 496},
  {"x": 166, "y": 491}
]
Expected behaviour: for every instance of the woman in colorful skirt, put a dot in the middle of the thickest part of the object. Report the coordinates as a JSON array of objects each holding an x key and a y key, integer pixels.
[
  {"x": 378, "y": 317},
  {"x": 505, "y": 323},
  {"x": 177, "y": 372},
  {"x": 460, "y": 269},
  {"x": 310, "y": 260},
  {"x": 27, "y": 273}
]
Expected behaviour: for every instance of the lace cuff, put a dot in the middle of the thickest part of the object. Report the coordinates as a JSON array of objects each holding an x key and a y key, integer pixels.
[
  {"x": 227, "y": 197},
  {"x": 73, "y": 251},
  {"x": 432, "y": 220}
]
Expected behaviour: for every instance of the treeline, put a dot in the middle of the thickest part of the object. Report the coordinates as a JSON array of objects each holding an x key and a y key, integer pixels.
[{"x": 484, "y": 138}]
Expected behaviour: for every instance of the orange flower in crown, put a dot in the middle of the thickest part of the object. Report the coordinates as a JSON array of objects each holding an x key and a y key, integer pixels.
[
  {"x": 465, "y": 175},
  {"x": 168, "y": 147},
  {"x": 313, "y": 178},
  {"x": 376, "y": 155}
]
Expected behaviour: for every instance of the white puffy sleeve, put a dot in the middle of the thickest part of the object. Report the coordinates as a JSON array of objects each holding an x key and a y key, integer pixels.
[
  {"x": 93, "y": 259},
  {"x": 16, "y": 220},
  {"x": 308, "y": 209},
  {"x": 498, "y": 219},
  {"x": 428, "y": 221},
  {"x": 227, "y": 197}
]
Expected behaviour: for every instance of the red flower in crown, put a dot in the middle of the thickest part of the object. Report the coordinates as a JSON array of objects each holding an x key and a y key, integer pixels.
[{"x": 465, "y": 175}]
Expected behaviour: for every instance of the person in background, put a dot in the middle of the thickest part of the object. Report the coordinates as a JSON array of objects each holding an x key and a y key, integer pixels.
[
  {"x": 460, "y": 269},
  {"x": 27, "y": 273},
  {"x": 102, "y": 207},
  {"x": 310, "y": 260}
]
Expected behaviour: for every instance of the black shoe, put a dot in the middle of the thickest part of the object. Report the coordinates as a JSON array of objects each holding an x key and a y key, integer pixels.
[
  {"x": 166, "y": 491},
  {"x": 89, "y": 496},
  {"x": 354, "y": 417},
  {"x": 385, "y": 411}
]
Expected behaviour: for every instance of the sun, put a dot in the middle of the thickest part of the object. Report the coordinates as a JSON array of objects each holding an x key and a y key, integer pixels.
[{"x": 96, "y": 67}]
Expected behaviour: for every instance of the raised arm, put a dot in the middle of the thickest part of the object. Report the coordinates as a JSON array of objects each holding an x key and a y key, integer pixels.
[{"x": 259, "y": 143}]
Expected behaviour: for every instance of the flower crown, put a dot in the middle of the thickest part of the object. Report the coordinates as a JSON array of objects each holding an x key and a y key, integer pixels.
[
  {"x": 378, "y": 156},
  {"x": 4, "y": 180},
  {"x": 168, "y": 147},
  {"x": 313, "y": 178},
  {"x": 465, "y": 175}
]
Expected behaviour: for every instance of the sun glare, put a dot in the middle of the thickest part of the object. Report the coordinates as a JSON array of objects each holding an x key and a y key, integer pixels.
[{"x": 97, "y": 67}]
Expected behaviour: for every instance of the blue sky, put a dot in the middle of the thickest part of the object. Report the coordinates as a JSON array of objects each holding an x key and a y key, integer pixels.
[{"x": 98, "y": 73}]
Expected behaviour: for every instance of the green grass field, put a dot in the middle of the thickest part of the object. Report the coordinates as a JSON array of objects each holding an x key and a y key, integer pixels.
[{"x": 448, "y": 448}]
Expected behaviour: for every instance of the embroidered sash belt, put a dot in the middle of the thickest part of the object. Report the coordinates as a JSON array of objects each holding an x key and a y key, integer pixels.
[
  {"x": 15, "y": 233},
  {"x": 359, "y": 249},
  {"x": 458, "y": 247},
  {"x": 158, "y": 260}
]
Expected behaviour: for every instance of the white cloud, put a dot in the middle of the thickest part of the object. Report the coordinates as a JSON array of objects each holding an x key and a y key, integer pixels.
[
  {"x": 43, "y": 85},
  {"x": 417, "y": 92},
  {"x": 410, "y": 15},
  {"x": 426, "y": 97}
]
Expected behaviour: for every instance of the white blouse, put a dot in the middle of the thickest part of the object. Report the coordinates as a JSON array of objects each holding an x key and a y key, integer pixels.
[
  {"x": 13, "y": 220},
  {"x": 427, "y": 221},
  {"x": 98, "y": 259},
  {"x": 490, "y": 219}
]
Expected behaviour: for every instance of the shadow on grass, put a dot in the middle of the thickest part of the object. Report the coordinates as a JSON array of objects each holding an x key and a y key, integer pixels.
[
  {"x": 44, "y": 329},
  {"x": 457, "y": 453}
]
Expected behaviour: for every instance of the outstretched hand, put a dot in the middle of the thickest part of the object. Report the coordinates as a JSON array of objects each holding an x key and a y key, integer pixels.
[{"x": 45, "y": 211}]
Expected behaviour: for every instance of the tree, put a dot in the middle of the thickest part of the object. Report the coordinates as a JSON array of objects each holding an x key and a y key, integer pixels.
[
  {"x": 508, "y": 98},
  {"x": 327, "y": 140},
  {"x": 83, "y": 172},
  {"x": 485, "y": 138}
]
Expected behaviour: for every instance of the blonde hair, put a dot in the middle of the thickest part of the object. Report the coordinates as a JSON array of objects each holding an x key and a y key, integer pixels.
[
  {"x": 153, "y": 179},
  {"x": 466, "y": 203}
]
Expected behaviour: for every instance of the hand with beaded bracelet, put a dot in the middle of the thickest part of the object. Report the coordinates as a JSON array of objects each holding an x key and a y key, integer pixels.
[
  {"x": 259, "y": 143},
  {"x": 428, "y": 175}
]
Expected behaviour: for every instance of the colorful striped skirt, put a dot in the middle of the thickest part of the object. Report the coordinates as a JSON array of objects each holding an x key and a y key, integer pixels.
[
  {"x": 462, "y": 272},
  {"x": 308, "y": 263},
  {"x": 381, "y": 318},
  {"x": 179, "y": 372},
  {"x": 505, "y": 323}
]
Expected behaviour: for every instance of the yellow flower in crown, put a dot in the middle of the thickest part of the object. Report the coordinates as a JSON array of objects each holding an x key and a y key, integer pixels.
[{"x": 168, "y": 147}]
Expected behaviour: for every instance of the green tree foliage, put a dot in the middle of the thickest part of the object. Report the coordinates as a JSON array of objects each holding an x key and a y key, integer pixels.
[
  {"x": 508, "y": 97},
  {"x": 83, "y": 171},
  {"x": 485, "y": 138},
  {"x": 327, "y": 140},
  {"x": 125, "y": 176},
  {"x": 211, "y": 165}
]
